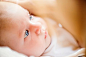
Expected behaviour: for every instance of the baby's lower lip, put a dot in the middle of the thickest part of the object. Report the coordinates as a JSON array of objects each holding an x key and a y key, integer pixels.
[{"x": 46, "y": 34}]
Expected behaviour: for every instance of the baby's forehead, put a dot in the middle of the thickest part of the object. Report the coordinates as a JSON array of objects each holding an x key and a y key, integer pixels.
[{"x": 11, "y": 8}]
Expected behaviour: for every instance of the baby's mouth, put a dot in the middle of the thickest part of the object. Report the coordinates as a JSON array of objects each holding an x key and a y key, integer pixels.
[{"x": 46, "y": 33}]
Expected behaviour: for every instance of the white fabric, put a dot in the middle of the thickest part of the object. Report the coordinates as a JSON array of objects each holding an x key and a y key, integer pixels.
[
  {"x": 54, "y": 50},
  {"x": 7, "y": 52}
]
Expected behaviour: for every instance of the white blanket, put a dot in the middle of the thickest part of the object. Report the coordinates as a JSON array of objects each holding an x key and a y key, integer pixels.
[{"x": 7, "y": 52}]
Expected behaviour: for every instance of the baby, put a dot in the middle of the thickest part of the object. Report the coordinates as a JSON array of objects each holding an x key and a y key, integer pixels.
[
  {"x": 29, "y": 35},
  {"x": 20, "y": 32}
]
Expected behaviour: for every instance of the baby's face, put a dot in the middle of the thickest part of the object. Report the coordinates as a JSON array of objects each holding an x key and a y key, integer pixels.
[{"x": 26, "y": 35}]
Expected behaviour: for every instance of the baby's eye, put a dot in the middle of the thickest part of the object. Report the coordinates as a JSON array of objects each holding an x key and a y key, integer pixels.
[
  {"x": 31, "y": 17},
  {"x": 26, "y": 33}
]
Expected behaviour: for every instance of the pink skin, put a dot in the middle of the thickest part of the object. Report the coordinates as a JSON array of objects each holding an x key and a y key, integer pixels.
[{"x": 37, "y": 40}]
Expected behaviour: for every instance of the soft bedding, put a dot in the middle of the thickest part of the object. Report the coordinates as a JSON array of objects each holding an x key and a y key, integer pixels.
[{"x": 7, "y": 52}]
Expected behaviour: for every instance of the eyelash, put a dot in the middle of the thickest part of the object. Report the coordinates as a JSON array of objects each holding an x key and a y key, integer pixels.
[
  {"x": 26, "y": 33},
  {"x": 31, "y": 17}
]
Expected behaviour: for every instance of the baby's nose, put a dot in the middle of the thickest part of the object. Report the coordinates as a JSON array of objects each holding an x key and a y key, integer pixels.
[{"x": 36, "y": 27}]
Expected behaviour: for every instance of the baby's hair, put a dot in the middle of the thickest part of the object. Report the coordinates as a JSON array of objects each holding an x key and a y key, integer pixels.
[
  {"x": 4, "y": 20},
  {"x": 2, "y": 23}
]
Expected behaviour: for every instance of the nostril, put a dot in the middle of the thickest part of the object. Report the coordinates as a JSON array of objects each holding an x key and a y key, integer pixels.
[
  {"x": 37, "y": 31},
  {"x": 36, "y": 26}
]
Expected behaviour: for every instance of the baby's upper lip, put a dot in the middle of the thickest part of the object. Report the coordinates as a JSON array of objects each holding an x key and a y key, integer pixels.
[
  {"x": 45, "y": 32},
  {"x": 43, "y": 28}
]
